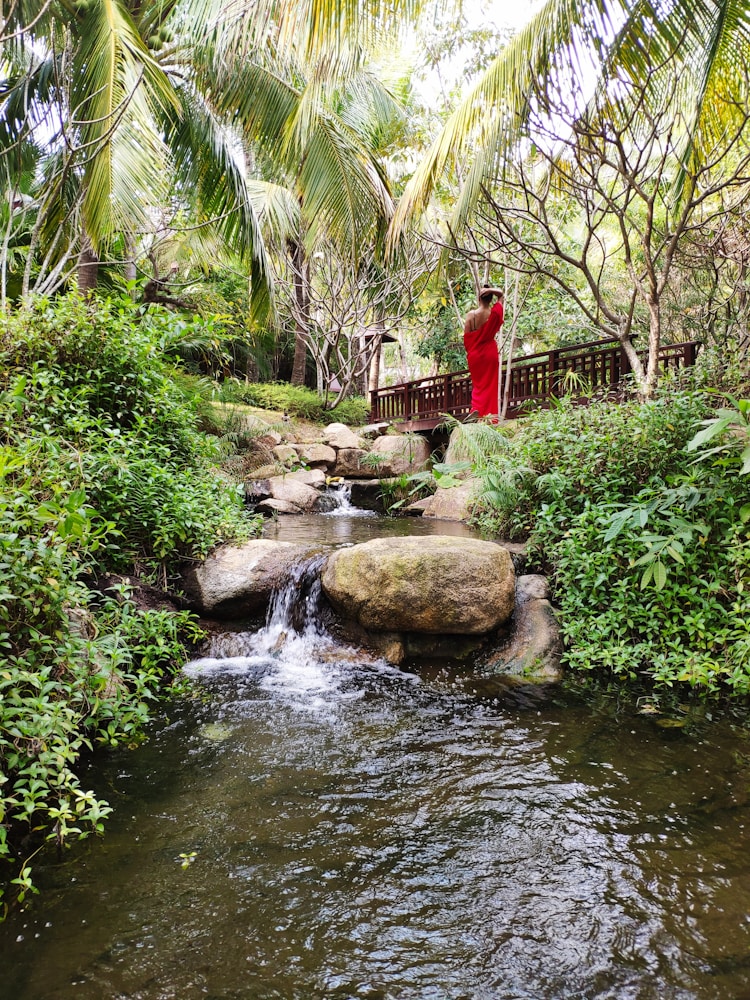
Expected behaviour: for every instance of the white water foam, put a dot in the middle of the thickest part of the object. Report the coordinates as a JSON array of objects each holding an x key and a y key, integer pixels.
[
  {"x": 292, "y": 658},
  {"x": 341, "y": 495}
]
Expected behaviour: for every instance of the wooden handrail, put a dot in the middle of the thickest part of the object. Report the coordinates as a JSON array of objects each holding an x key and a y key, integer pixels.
[{"x": 535, "y": 379}]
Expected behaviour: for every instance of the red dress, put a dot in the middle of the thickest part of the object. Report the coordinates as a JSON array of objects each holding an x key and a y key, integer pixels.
[{"x": 481, "y": 353}]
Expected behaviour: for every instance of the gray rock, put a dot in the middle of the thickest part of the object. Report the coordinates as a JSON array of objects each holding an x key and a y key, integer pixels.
[
  {"x": 289, "y": 489},
  {"x": 237, "y": 581},
  {"x": 450, "y": 503},
  {"x": 366, "y": 494},
  {"x": 270, "y": 507},
  {"x": 439, "y": 584},
  {"x": 531, "y": 586},
  {"x": 257, "y": 490},
  {"x": 349, "y": 463},
  {"x": 372, "y": 431},
  {"x": 400, "y": 453},
  {"x": 286, "y": 454},
  {"x": 535, "y": 645},
  {"x": 340, "y": 436},
  {"x": 317, "y": 455},
  {"x": 310, "y": 477}
]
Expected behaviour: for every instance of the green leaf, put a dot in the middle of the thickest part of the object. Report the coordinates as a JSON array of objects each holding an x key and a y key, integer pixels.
[
  {"x": 617, "y": 523},
  {"x": 713, "y": 428}
]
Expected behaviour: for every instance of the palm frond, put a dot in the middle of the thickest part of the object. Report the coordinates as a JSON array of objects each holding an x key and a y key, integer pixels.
[
  {"x": 277, "y": 208},
  {"x": 477, "y": 443},
  {"x": 117, "y": 89},
  {"x": 572, "y": 39},
  {"x": 311, "y": 26}
]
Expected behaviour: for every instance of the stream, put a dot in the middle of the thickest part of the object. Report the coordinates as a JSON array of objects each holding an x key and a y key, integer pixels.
[{"x": 315, "y": 824}]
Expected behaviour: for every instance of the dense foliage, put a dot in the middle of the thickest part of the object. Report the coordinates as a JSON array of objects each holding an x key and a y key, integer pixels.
[
  {"x": 647, "y": 546},
  {"x": 295, "y": 401},
  {"x": 101, "y": 471}
]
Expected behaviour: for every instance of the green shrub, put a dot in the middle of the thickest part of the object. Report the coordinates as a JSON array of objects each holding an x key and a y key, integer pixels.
[
  {"x": 662, "y": 602},
  {"x": 648, "y": 552},
  {"x": 89, "y": 384},
  {"x": 101, "y": 469},
  {"x": 297, "y": 401},
  {"x": 574, "y": 455}
]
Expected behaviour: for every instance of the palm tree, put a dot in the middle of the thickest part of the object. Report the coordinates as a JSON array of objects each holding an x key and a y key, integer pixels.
[
  {"x": 601, "y": 39},
  {"x": 119, "y": 102}
]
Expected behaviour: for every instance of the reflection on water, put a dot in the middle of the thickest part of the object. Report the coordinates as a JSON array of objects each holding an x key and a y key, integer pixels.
[
  {"x": 337, "y": 529},
  {"x": 318, "y": 825}
]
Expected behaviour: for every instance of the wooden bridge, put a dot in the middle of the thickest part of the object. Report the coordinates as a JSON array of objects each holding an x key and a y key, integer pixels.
[{"x": 536, "y": 379}]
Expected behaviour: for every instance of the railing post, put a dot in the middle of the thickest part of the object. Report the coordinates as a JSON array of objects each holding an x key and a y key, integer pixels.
[
  {"x": 554, "y": 357},
  {"x": 407, "y": 415}
]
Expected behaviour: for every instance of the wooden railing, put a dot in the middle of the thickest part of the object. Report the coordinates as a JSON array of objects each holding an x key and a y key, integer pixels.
[{"x": 535, "y": 380}]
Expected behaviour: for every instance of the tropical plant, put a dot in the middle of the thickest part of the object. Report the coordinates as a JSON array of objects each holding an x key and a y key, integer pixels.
[
  {"x": 648, "y": 555},
  {"x": 731, "y": 425},
  {"x": 595, "y": 40},
  {"x": 101, "y": 469},
  {"x": 679, "y": 63},
  {"x": 111, "y": 109}
]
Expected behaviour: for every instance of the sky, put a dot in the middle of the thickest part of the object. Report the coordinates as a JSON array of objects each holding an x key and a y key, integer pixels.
[
  {"x": 499, "y": 14},
  {"x": 514, "y": 13}
]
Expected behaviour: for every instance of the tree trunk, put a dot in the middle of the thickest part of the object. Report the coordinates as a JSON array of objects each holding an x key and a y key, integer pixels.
[
  {"x": 88, "y": 271},
  {"x": 131, "y": 271},
  {"x": 373, "y": 381},
  {"x": 362, "y": 382},
  {"x": 654, "y": 343},
  {"x": 636, "y": 366},
  {"x": 301, "y": 313}
]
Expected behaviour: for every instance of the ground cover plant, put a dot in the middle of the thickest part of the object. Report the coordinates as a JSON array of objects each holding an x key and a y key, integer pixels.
[
  {"x": 645, "y": 537},
  {"x": 102, "y": 472},
  {"x": 295, "y": 401}
]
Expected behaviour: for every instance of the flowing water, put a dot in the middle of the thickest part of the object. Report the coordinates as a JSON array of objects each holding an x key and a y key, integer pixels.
[{"x": 315, "y": 824}]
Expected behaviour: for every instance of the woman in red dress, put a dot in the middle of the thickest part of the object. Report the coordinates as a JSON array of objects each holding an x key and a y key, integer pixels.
[{"x": 480, "y": 328}]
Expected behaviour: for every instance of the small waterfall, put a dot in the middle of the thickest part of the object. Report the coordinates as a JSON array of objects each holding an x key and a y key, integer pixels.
[
  {"x": 292, "y": 656},
  {"x": 339, "y": 501},
  {"x": 292, "y": 659},
  {"x": 296, "y": 603}
]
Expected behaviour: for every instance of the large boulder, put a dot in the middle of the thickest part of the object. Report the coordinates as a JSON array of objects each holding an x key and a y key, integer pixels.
[
  {"x": 396, "y": 454},
  {"x": 236, "y": 581},
  {"x": 340, "y": 436},
  {"x": 450, "y": 503},
  {"x": 317, "y": 455},
  {"x": 350, "y": 462},
  {"x": 440, "y": 584},
  {"x": 288, "y": 488},
  {"x": 366, "y": 494},
  {"x": 310, "y": 477}
]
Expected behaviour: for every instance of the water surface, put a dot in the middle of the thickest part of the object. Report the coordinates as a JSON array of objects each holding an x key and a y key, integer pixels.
[{"x": 315, "y": 824}]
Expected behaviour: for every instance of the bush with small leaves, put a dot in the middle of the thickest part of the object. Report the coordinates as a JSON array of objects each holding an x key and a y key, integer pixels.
[
  {"x": 101, "y": 469},
  {"x": 648, "y": 550}
]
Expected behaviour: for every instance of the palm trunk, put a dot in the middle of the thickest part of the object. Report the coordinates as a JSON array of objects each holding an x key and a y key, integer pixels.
[{"x": 88, "y": 271}]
